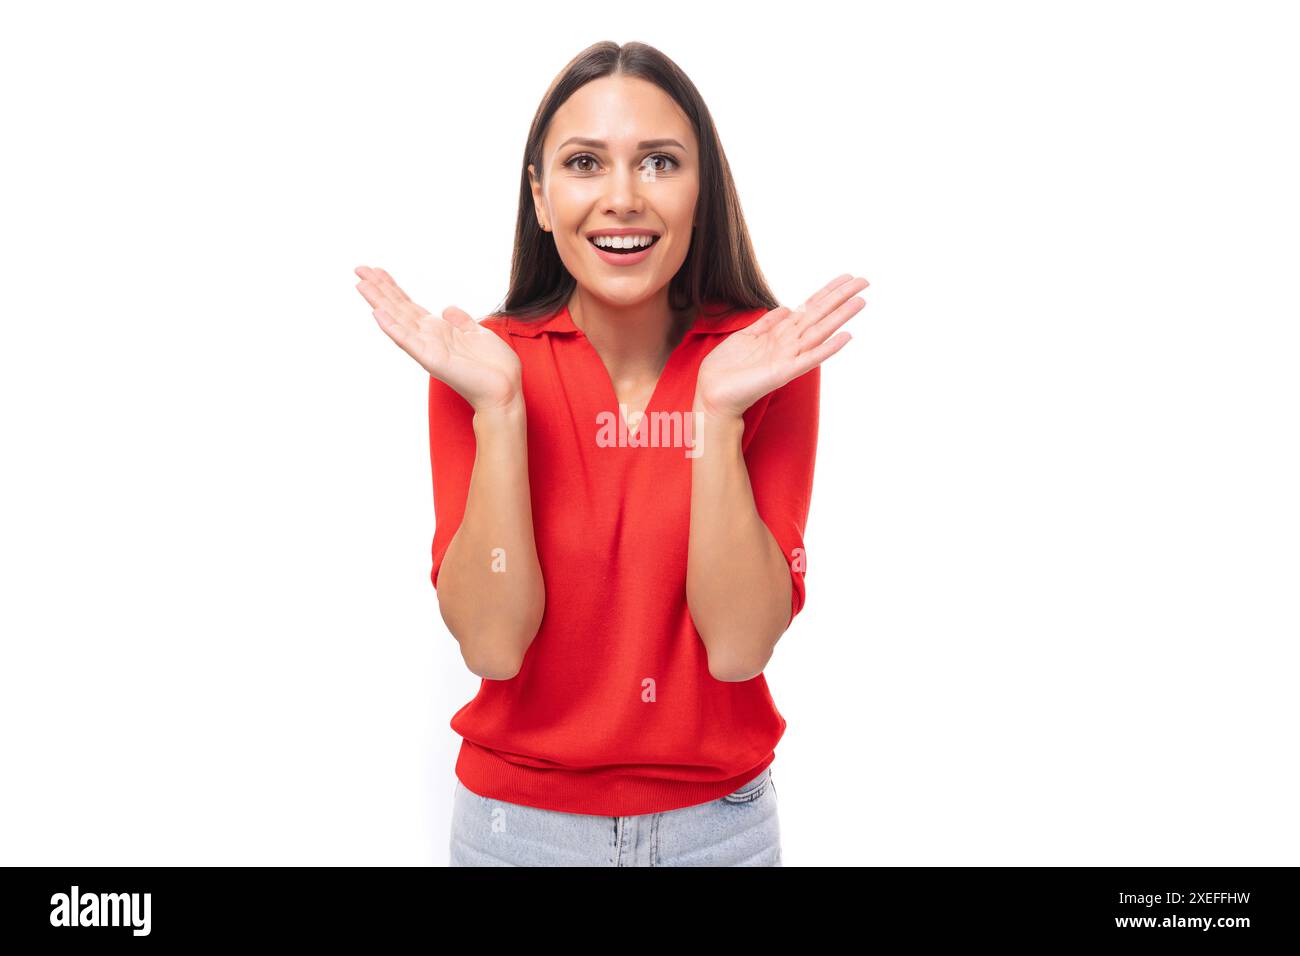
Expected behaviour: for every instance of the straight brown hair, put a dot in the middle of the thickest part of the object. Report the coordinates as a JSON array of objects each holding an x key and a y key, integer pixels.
[{"x": 720, "y": 264}]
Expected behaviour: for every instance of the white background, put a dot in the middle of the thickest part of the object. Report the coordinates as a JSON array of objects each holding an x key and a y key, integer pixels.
[{"x": 1053, "y": 563}]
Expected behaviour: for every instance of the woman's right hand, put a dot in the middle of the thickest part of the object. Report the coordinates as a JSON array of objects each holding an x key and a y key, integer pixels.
[{"x": 454, "y": 349}]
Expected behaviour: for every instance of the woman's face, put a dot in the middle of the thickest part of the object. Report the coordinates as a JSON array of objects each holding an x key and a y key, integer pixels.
[{"x": 619, "y": 155}]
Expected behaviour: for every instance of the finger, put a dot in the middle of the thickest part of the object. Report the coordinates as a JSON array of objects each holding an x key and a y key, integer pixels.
[
  {"x": 400, "y": 320},
  {"x": 788, "y": 328},
  {"x": 383, "y": 294},
  {"x": 774, "y": 317},
  {"x": 809, "y": 360},
  {"x": 380, "y": 278},
  {"x": 765, "y": 323},
  {"x": 396, "y": 331},
  {"x": 378, "y": 298},
  {"x": 829, "y": 298},
  {"x": 391, "y": 293},
  {"x": 813, "y": 334},
  {"x": 801, "y": 313},
  {"x": 373, "y": 282},
  {"x": 460, "y": 319},
  {"x": 830, "y": 347},
  {"x": 820, "y": 295},
  {"x": 371, "y": 293},
  {"x": 397, "y": 291},
  {"x": 827, "y": 288},
  {"x": 377, "y": 287}
]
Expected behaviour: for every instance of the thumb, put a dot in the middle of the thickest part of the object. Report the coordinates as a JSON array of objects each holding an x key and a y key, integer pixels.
[{"x": 459, "y": 318}]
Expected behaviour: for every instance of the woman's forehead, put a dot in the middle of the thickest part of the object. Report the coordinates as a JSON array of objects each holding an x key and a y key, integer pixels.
[{"x": 620, "y": 112}]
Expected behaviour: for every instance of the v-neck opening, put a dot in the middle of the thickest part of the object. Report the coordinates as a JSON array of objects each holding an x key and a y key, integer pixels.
[{"x": 633, "y": 432}]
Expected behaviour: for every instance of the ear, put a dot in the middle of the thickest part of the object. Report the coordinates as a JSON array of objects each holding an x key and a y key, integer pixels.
[{"x": 539, "y": 207}]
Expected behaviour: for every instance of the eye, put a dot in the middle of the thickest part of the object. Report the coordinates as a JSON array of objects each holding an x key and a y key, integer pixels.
[
  {"x": 666, "y": 158},
  {"x": 588, "y": 158},
  {"x": 570, "y": 163}
]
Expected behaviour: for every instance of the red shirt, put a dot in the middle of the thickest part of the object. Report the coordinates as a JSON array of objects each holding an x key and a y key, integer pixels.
[{"x": 614, "y": 711}]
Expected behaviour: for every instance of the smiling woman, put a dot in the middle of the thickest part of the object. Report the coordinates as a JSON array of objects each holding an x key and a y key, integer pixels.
[
  {"x": 623, "y": 144},
  {"x": 621, "y": 598}
]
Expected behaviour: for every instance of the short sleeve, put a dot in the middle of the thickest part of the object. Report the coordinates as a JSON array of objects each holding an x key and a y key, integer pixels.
[
  {"x": 780, "y": 459},
  {"x": 452, "y": 447}
]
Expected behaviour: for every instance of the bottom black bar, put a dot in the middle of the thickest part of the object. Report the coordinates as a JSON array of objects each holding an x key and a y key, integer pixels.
[{"x": 1222, "y": 907}]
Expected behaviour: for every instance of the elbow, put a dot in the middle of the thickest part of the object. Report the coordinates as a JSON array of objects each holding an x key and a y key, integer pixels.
[
  {"x": 495, "y": 653},
  {"x": 734, "y": 655},
  {"x": 733, "y": 658},
  {"x": 497, "y": 656},
  {"x": 493, "y": 666},
  {"x": 732, "y": 668},
  {"x": 733, "y": 674}
]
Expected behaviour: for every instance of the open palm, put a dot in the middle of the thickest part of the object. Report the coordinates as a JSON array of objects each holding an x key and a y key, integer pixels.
[
  {"x": 779, "y": 347},
  {"x": 452, "y": 348}
]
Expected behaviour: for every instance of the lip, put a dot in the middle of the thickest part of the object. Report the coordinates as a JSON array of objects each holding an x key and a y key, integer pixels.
[
  {"x": 625, "y": 231},
  {"x": 622, "y": 258}
]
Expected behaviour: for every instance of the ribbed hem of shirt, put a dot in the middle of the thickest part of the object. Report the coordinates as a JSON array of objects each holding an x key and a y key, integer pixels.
[{"x": 587, "y": 791}]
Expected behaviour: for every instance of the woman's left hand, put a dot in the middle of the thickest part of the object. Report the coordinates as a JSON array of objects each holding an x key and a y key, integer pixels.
[{"x": 779, "y": 347}]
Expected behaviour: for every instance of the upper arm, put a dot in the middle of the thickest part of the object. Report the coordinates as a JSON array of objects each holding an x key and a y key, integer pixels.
[
  {"x": 780, "y": 459},
  {"x": 452, "y": 447}
]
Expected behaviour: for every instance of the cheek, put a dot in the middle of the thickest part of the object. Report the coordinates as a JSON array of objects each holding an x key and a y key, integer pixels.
[
  {"x": 571, "y": 200},
  {"x": 565, "y": 208},
  {"x": 679, "y": 217},
  {"x": 575, "y": 254},
  {"x": 677, "y": 206}
]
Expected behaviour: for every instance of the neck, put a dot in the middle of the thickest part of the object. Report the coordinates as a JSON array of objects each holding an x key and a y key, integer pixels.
[{"x": 634, "y": 340}]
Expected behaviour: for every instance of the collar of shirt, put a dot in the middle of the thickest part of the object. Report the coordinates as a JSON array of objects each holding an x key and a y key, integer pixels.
[{"x": 709, "y": 321}]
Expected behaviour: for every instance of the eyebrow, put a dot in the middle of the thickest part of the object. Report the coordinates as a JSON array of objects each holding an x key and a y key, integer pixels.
[{"x": 601, "y": 144}]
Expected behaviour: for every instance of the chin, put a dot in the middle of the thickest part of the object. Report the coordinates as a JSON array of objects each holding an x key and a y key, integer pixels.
[{"x": 623, "y": 293}]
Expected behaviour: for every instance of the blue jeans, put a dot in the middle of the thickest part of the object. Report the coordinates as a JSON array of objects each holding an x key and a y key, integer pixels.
[{"x": 739, "y": 829}]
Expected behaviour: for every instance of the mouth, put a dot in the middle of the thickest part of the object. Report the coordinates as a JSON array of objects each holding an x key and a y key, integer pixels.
[{"x": 622, "y": 245}]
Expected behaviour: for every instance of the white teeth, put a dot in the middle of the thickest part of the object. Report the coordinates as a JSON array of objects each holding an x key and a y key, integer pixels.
[{"x": 623, "y": 242}]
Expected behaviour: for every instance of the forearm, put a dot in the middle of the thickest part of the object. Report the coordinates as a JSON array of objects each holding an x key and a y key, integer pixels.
[
  {"x": 490, "y": 589},
  {"x": 738, "y": 583}
]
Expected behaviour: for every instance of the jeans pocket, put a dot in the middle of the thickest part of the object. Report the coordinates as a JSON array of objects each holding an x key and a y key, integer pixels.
[{"x": 752, "y": 790}]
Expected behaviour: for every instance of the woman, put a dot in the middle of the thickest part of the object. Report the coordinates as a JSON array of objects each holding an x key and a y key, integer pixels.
[{"x": 622, "y": 464}]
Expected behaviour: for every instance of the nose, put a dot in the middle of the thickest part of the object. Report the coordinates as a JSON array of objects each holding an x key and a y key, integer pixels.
[{"x": 623, "y": 192}]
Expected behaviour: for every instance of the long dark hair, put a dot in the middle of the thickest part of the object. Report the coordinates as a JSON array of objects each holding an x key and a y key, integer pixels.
[{"x": 719, "y": 266}]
